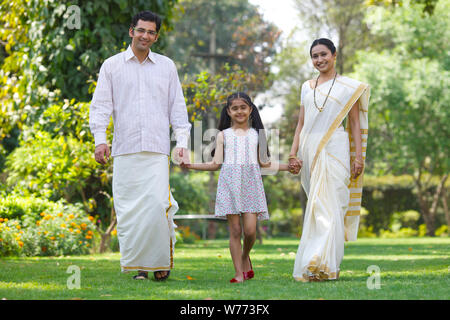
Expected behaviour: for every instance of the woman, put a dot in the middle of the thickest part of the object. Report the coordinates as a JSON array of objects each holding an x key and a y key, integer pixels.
[{"x": 332, "y": 162}]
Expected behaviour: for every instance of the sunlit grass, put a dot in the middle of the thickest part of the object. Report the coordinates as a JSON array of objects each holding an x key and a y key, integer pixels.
[{"x": 416, "y": 268}]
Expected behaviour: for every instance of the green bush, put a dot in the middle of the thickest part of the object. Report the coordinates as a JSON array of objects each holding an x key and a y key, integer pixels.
[
  {"x": 366, "y": 232},
  {"x": 38, "y": 227},
  {"x": 401, "y": 233},
  {"x": 442, "y": 231}
]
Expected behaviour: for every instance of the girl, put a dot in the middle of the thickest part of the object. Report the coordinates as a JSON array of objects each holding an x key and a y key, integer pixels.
[{"x": 242, "y": 144}]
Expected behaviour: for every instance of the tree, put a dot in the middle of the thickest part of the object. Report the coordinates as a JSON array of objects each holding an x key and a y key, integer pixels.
[
  {"x": 410, "y": 98},
  {"x": 209, "y": 34}
]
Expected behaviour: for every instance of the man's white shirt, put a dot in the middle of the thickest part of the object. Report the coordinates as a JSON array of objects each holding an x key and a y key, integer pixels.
[{"x": 144, "y": 99}]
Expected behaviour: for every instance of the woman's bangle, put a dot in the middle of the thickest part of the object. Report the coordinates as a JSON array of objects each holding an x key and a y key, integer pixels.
[
  {"x": 292, "y": 156},
  {"x": 356, "y": 160}
]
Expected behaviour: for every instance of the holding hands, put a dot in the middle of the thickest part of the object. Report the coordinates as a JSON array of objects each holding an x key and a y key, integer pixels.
[{"x": 294, "y": 165}]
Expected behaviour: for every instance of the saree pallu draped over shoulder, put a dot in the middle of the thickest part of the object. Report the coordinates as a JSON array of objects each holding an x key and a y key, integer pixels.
[{"x": 334, "y": 197}]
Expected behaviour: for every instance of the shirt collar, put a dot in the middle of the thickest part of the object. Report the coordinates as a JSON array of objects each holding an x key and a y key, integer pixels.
[{"x": 129, "y": 54}]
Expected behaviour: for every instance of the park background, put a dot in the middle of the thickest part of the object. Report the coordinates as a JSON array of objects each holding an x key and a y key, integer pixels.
[{"x": 55, "y": 200}]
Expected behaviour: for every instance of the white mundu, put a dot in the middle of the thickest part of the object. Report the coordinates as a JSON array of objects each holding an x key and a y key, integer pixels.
[
  {"x": 334, "y": 197},
  {"x": 144, "y": 208}
]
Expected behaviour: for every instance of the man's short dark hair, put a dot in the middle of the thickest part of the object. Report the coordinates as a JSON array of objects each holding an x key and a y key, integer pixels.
[{"x": 146, "y": 16}]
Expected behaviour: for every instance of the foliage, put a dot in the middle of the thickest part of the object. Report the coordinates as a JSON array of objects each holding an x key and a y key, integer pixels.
[
  {"x": 55, "y": 160},
  {"x": 37, "y": 227},
  {"x": 413, "y": 77},
  {"x": 207, "y": 92},
  {"x": 442, "y": 231},
  {"x": 54, "y": 167},
  {"x": 190, "y": 192},
  {"x": 285, "y": 222},
  {"x": 241, "y": 36},
  {"x": 186, "y": 235}
]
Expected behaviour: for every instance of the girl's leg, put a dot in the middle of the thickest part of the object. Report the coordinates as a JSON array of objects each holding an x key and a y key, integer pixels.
[
  {"x": 249, "y": 221},
  {"x": 234, "y": 224}
]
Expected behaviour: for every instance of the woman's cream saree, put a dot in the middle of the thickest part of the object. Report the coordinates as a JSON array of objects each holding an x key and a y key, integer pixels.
[{"x": 334, "y": 198}]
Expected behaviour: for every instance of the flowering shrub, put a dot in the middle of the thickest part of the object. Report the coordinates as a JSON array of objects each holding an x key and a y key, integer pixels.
[
  {"x": 186, "y": 235},
  {"x": 60, "y": 230}
]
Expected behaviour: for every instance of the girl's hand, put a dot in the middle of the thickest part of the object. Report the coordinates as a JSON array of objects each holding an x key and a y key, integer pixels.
[
  {"x": 357, "y": 167},
  {"x": 295, "y": 165},
  {"x": 185, "y": 165}
]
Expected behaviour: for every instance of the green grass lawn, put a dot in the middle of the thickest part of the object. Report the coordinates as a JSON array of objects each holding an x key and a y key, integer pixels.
[{"x": 415, "y": 268}]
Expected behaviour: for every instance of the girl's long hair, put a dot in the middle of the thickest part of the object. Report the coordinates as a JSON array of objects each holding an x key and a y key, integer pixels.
[{"x": 255, "y": 122}]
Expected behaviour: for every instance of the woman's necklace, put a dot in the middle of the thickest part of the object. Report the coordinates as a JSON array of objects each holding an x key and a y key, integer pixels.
[{"x": 323, "y": 105}]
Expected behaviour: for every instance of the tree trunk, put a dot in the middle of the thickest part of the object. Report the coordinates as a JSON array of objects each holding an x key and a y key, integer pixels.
[
  {"x": 444, "y": 202},
  {"x": 429, "y": 212},
  {"x": 106, "y": 236}
]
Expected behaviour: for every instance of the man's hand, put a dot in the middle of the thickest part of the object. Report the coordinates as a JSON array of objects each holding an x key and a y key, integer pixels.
[
  {"x": 102, "y": 153},
  {"x": 181, "y": 155}
]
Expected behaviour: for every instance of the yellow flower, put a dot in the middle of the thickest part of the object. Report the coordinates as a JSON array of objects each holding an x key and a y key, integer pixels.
[
  {"x": 83, "y": 226},
  {"x": 87, "y": 244},
  {"x": 90, "y": 233},
  {"x": 70, "y": 229},
  {"x": 52, "y": 238},
  {"x": 63, "y": 225},
  {"x": 47, "y": 217},
  {"x": 60, "y": 214},
  {"x": 71, "y": 216},
  {"x": 73, "y": 224},
  {"x": 78, "y": 231},
  {"x": 20, "y": 244},
  {"x": 6, "y": 220},
  {"x": 38, "y": 223},
  {"x": 1, "y": 219},
  {"x": 45, "y": 232},
  {"x": 18, "y": 238},
  {"x": 114, "y": 232},
  {"x": 42, "y": 214},
  {"x": 88, "y": 237},
  {"x": 18, "y": 227},
  {"x": 80, "y": 242},
  {"x": 91, "y": 218},
  {"x": 61, "y": 235}
]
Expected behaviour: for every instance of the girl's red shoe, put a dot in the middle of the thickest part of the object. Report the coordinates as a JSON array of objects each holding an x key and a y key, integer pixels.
[
  {"x": 250, "y": 274},
  {"x": 234, "y": 280}
]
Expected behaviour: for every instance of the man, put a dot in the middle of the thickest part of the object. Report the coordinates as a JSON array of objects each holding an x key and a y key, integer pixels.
[{"x": 142, "y": 92}]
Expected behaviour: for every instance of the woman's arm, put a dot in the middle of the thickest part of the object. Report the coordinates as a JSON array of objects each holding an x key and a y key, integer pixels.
[
  {"x": 358, "y": 165},
  {"x": 298, "y": 130}
]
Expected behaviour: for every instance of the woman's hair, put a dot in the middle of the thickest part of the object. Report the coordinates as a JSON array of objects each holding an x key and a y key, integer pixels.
[
  {"x": 146, "y": 16},
  {"x": 326, "y": 42},
  {"x": 255, "y": 122}
]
